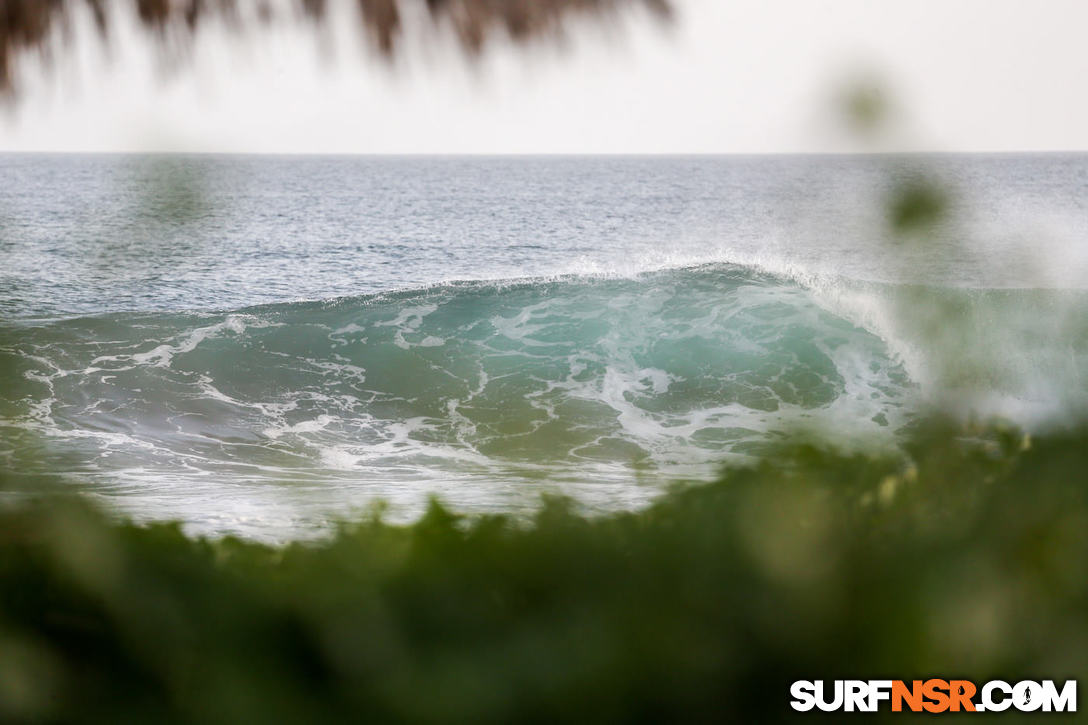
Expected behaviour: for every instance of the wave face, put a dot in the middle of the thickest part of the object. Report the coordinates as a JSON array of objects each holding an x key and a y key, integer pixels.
[{"x": 567, "y": 380}]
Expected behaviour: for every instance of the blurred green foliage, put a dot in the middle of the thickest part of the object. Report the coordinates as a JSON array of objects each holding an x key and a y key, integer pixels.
[
  {"x": 865, "y": 107},
  {"x": 916, "y": 204},
  {"x": 967, "y": 556}
]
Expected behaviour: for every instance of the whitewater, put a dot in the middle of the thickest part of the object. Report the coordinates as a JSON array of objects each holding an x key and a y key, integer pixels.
[{"x": 262, "y": 346}]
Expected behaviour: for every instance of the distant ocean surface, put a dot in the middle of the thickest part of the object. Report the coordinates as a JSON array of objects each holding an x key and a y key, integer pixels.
[{"x": 264, "y": 345}]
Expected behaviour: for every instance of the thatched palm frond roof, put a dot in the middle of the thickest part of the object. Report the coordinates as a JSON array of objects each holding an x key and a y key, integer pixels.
[{"x": 27, "y": 25}]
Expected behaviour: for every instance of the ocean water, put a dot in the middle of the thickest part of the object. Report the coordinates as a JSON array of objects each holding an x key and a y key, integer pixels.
[{"x": 264, "y": 345}]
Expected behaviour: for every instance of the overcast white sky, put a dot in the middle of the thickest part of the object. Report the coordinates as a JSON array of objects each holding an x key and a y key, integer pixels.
[{"x": 730, "y": 76}]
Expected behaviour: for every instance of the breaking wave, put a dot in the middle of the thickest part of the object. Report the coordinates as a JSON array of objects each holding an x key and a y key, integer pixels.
[{"x": 585, "y": 381}]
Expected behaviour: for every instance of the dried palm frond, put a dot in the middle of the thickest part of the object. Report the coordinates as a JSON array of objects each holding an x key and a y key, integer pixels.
[{"x": 30, "y": 24}]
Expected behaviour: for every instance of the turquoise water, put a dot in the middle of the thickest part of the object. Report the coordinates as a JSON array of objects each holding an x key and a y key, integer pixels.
[{"x": 258, "y": 345}]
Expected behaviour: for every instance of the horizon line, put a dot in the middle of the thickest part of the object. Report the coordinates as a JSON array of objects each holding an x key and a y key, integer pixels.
[{"x": 538, "y": 154}]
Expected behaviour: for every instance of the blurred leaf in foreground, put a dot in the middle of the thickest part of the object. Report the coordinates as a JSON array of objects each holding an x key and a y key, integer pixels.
[
  {"x": 916, "y": 204},
  {"x": 968, "y": 555}
]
